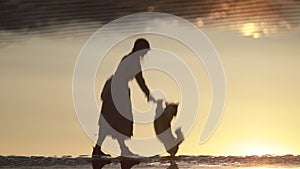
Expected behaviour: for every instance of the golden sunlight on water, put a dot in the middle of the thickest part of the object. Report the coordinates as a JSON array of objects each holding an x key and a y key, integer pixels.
[
  {"x": 258, "y": 148},
  {"x": 252, "y": 18},
  {"x": 258, "y": 168},
  {"x": 270, "y": 167},
  {"x": 249, "y": 29}
]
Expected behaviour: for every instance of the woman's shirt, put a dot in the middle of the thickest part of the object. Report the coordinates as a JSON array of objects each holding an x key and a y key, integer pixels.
[{"x": 129, "y": 68}]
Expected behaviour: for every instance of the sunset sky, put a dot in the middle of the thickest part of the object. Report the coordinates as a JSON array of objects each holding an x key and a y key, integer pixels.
[{"x": 261, "y": 65}]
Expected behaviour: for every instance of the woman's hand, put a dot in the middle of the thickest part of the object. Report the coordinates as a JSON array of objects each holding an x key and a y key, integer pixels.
[{"x": 150, "y": 98}]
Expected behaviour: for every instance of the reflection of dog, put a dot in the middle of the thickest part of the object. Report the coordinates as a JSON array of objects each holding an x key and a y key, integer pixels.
[{"x": 162, "y": 126}]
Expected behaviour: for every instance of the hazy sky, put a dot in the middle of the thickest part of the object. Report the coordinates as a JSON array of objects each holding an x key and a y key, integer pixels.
[
  {"x": 261, "y": 64},
  {"x": 261, "y": 110}
]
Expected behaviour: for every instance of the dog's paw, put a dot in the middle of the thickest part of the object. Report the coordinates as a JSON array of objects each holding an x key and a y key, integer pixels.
[
  {"x": 179, "y": 134},
  {"x": 178, "y": 131}
]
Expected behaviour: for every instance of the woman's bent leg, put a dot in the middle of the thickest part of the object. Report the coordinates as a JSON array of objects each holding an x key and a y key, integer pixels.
[
  {"x": 124, "y": 149},
  {"x": 102, "y": 133}
]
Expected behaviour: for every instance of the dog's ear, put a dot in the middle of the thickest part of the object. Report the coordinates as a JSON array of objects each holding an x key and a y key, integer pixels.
[{"x": 176, "y": 104}]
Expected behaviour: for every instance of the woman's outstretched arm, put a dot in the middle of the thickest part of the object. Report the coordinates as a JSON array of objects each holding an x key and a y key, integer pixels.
[{"x": 141, "y": 81}]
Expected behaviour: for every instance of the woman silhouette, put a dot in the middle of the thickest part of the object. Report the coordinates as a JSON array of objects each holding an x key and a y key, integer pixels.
[{"x": 116, "y": 117}]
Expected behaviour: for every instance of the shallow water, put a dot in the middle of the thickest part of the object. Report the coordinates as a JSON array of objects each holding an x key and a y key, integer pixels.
[
  {"x": 182, "y": 162},
  {"x": 115, "y": 166}
]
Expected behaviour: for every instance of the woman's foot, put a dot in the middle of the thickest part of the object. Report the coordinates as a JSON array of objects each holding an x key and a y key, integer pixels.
[
  {"x": 125, "y": 152},
  {"x": 98, "y": 153}
]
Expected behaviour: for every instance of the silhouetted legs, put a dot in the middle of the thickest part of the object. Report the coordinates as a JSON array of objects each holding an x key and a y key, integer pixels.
[
  {"x": 124, "y": 149},
  {"x": 104, "y": 131},
  {"x": 101, "y": 136}
]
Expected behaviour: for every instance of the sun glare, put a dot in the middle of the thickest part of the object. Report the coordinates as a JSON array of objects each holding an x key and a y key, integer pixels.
[
  {"x": 248, "y": 29},
  {"x": 258, "y": 168},
  {"x": 259, "y": 149}
]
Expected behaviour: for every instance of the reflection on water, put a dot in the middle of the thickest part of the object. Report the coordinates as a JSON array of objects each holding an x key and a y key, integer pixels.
[
  {"x": 100, "y": 163},
  {"x": 195, "y": 162},
  {"x": 126, "y": 163},
  {"x": 257, "y": 168},
  {"x": 253, "y": 18},
  {"x": 274, "y": 167},
  {"x": 188, "y": 162},
  {"x": 172, "y": 165},
  {"x": 250, "y": 29}
]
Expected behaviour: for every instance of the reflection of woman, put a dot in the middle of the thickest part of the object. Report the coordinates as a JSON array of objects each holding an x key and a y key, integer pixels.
[{"x": 116, "y": 107}]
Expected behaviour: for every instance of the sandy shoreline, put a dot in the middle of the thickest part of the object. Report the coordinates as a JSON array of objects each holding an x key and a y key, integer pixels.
[{"x": 195, "y": 162}]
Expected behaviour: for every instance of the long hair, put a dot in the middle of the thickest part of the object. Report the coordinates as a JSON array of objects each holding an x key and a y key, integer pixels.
[{"x": 140, "y": 44}]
